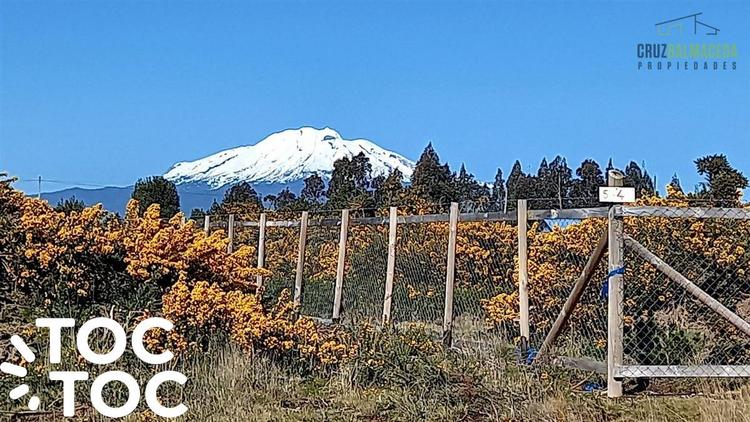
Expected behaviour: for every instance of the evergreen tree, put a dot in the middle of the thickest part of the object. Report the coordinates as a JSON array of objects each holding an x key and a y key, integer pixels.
[
  {"x": 157, "y": 190},
  {"x": 609, "y": 167},
  {"x": 552, "y": 184},
  {"x": 585, "y": 189},
  {"x": 197, "y": 214},
  {"x": 498, "y": 192},
  {"x": 469, "y": 191},
  {"x": 390, "y": 192},
  {"x": 723, "y": 183},
  {"x": 241, "y": 200},
  {"x": 69, "y": 205},
  {"x": 431, "y": 180},
  {"x": 314, "y": 191},
  {"x": 516, "y": 186},
  {"x": 635, "y": 178},
  {"x": 286, "y": 200},
  {"x": 675, "y": 187},
  {"x": 241, "y": 193},
  {"x": 350, "y": 183}
]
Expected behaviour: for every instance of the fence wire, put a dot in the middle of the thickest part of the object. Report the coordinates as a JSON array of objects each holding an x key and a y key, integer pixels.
[
  {"x": 558, "y": 253},
  {"x": 485, "y": 270},
  {"x": 419, "y": 281},
  {"x": 663, "y": 323},
  {"x": 321, "y": 258},
  {"x": 365, "y": 273},
  {"x": 281, "y": 248}
]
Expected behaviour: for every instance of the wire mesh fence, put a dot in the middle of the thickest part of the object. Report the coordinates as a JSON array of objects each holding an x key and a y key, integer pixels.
[
  {"x": 485, "y": 270},
  {"x": 419, "y": 282},
  {"x": 321, "y": 257},
  {"x": 281, "y": 248},
  {"x": 364, "y": 273},
  {"x": 558, "y": 251},
  {"x": 664, "y": 324}
]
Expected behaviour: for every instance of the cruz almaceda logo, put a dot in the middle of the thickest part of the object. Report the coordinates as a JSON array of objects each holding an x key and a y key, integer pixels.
[{"x": 68, "y": 379}]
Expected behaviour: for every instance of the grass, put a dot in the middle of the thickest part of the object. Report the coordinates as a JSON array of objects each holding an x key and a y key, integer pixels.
[
  {"x": 231, "y": 387},
  {"x": 403, "y": 375}
]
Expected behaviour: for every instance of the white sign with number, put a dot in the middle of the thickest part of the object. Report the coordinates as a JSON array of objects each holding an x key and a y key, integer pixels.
[{"x": 616, "y": 194}]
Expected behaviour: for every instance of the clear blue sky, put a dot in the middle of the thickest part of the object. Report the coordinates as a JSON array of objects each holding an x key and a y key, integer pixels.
[{"x": 106, "y": 92}]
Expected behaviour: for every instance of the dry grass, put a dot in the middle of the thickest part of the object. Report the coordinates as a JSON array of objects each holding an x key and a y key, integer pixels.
[
  {"x": 480, "y": 383},
  {"x": 231, "y": 387}
]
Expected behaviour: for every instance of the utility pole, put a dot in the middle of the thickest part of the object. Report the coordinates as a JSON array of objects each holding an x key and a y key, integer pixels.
[{"x": 39, "y": 189}]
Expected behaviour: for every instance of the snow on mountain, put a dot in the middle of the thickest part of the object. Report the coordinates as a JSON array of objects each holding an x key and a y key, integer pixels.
[{"x": 283, "y": 157}]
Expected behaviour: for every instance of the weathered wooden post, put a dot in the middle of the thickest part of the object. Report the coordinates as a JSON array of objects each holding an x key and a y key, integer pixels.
[
  {"x": 391, "y": 267},
  {"x": 230, "y": 234},
  {"x": 523, "y": 273},
  {"x": 450, "y": 276},
  {"x": 614, "y": 292},
  {"x": 261, "y": 250},
  {"x": 300, "y": 258},
  {"x": 340, "y": 265},
  {"x": 207, "y": 224}
]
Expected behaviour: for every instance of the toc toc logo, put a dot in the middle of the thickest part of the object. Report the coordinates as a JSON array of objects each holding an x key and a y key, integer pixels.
[{"x": 69, "y": 378}]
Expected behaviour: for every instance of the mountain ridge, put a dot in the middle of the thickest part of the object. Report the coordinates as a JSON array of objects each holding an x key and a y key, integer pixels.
[
  {"x": 269, "y": 165},
  {"x": 286, "y": 156}
]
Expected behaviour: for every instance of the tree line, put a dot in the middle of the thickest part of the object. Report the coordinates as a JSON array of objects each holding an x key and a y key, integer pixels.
[{"x": 433, "y": 185}]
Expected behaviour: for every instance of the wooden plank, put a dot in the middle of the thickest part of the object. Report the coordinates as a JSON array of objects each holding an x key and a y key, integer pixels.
[
  {"x": 682, "y": 371},
  {"x": 450, "y": 276},
  {"x": 614, "y": 293},
  {"x": 282, "y": 223},
  {"x": 523, "y": 272},
  {"x": 261, "y": 251},
  {"x": 472, "y": 217},
  {"x": 230, "y": 233},
  {"x": 340, "y": 265},
  {"x": 572, "y": 214},
  {"x": 686, "y": 212},
  {"x": 207, "y": 224},
  {"x": 569, "y": 214},
  {"x": 575, "y": 295},
  {"x": 688, "y": 285},
  {"x": 300, "y": 258},
  {"x": 391, "y": 267},
  {"x": 581, "y": 364}
]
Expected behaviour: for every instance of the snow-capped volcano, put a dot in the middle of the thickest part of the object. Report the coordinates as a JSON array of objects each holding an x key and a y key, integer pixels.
[{"x": 284, "y": 157}]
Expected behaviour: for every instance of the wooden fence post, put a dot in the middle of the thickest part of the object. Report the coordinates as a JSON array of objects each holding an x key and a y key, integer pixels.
[
  {"x": 614, "y": 293},
  {"x": 300, "y": 258},
  {"x": 449, "y": 277},
  {"x": 340, "y": 265},
  {"x": 523, "y": 273},
  {"x": 391, "y": 267},
  {"x": 207, "y": 224},
  {"x": 230, "y": 231},
  {"x": 261, "y": 250}
]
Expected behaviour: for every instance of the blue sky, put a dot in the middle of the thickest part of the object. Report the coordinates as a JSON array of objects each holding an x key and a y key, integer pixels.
[{"x": 105, "y": 92}]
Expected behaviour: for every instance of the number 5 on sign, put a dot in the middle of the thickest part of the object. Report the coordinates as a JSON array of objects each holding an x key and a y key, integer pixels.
[{"x": 616, "y": 194}]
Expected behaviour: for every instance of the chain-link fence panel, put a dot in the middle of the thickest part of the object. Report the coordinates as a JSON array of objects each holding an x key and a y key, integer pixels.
[
  {"x": 246, "y": 235},
  {"x": 321, "y": 258},
  {"x": 421, "y": 266},
  {"x": 485, "y": 292},
  {"x": 664, "y": 325},
  {"x": 281, "y": 248},
  {"x": 365, "y": 272},
  {"x": 558, "y": 250}
]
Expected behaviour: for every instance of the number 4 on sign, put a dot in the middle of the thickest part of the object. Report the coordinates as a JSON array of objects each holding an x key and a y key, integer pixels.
[{"x": 616, "y": 194}]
